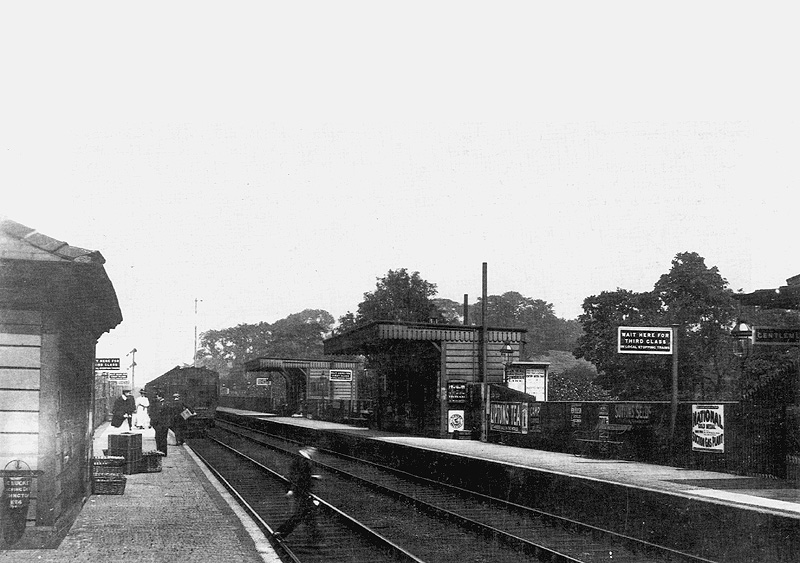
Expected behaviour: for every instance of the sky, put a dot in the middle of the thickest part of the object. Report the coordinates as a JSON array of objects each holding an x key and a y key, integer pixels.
[{"x": 240, "y": 162}]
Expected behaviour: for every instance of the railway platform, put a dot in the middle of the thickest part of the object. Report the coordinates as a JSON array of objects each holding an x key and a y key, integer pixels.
[
  {"x": 749, "y": 493},
  {"x": 702, "y": 511},
  {"x": 179, "y": 514}
]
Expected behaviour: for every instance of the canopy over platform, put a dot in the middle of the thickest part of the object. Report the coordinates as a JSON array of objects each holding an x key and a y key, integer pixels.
[
  {"x": 363, "y": 339},
  {"x": 279, "y": 365}
]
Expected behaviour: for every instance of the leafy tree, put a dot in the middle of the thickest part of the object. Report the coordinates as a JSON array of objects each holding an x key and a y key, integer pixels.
[
  {"x": 452, "y": 311},
  {"x": 576, "y": 384},
  {"x": 691, "y": 296},
  {"x": 627, "y": 376},
  {"x": 769, "y": 366},
  {"x": 697, "y": 299},
  {"x": 545, "y": 330},
  {"x": 221, "y": 349},
  {"x": 298, "y": 335},
  {"x": 301, "y": 334},
  {"x": 398, "y": 296}
]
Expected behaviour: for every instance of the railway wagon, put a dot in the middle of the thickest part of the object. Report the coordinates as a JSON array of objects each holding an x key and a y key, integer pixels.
[{"x": 199, "y": 390}]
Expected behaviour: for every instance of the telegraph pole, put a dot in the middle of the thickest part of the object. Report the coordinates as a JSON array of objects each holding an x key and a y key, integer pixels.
[
  {"x": 482, "y": 365},
  {"x": 194, "y": 350},
  {"x": 132, "y": 354}
]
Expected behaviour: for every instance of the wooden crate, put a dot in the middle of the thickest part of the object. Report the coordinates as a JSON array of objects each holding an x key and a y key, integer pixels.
[
  {"x": 151, "y": 462},
  {"x": 108, "y": 484},
  {"x": 108, "y": 465},
  {"x": 127, "y": 445}
]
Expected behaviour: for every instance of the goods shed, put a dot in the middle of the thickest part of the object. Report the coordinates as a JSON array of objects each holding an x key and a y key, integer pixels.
[
  {"x": 56, "y": 301},
  {"x": 422, "y": 374}
]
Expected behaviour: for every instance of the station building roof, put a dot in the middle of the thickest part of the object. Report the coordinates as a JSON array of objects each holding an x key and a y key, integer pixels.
[
  {"x": 783, "y": 297},
  {"x": 43, "y": 272},
  {"x": 359, "y": 339},
  {"x": 280, "y": 364},
  {"x": 18, "y": 242}
]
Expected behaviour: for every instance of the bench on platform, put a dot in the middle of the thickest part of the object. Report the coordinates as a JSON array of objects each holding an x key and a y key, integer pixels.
[
  {"x": 356, "y": 421},
  {"x": 605, "y": 439}
]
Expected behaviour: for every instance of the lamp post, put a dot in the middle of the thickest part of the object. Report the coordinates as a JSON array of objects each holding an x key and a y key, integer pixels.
[{"x": 742, "y": 335}]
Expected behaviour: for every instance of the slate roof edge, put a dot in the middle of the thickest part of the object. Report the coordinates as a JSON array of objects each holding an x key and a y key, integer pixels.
[{"x": 48, "y": 244}]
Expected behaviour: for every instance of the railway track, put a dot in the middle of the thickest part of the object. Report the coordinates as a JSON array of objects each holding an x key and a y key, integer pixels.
[
  {"x": 261, "y": 491},
  {"x": 436, "y": 522}
]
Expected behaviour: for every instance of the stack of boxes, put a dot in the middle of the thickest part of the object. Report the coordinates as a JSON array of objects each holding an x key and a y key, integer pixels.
[
  {"x": 129, "y": 446},
  {"x": 107, "y": 477}
]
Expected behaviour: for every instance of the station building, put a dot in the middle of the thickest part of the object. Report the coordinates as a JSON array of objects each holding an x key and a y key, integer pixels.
[
  {"x": 56, "y": 301},
  {"x": 424, "y": 378},
  {"x": 318, "y": 388}
]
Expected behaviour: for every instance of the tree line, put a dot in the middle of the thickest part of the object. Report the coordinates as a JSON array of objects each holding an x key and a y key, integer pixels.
[{"x": 691, "y": 296}]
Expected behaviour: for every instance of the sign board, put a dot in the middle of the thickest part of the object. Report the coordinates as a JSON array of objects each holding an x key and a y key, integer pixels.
[
  {"x": 17, "y": 478},
  {"x": 456, "y": 391},
  {"x": 115, "y": 375},
  {"x": 771, "y": 336},
  {"x": 536, "y": 383},
  {"x": 106, "y": 364},
  {"x": 455, "y": 421},
  {"x": 341, "y": 375},
  {"x": 341, "y": 390},
  {"x": 509, "y": 417},
  {"x": 535, "y": 417},
  {"x": 528, "y": 379},
  {"x": 644, "y": 340},
  {"x": 576, "y": 414},
  {"x": 708, "y": 428}
]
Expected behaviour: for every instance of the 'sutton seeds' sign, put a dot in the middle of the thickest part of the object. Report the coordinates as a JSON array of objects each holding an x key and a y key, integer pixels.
[{"x": 644, "y": 340}]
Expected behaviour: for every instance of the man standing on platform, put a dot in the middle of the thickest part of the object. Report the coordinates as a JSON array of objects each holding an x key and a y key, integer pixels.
[
  {"x": 124, "y": 407},
  {"x": 159, "y": 420},
  {"x": 180, "y": 414}
]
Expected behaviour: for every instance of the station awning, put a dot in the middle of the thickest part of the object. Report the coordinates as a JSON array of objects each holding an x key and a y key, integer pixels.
[
  {"x": 281, "y": 364},
  {"x": 359, "y": 339}
]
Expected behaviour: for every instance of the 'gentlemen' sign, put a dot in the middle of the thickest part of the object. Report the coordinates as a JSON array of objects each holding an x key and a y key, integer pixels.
[
  {"x": 644, "y": 340},
  {"x": 772, "y": 336}
]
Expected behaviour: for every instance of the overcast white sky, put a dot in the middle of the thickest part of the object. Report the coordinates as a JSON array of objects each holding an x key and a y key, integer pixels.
[{"x": 270, "y": 157}]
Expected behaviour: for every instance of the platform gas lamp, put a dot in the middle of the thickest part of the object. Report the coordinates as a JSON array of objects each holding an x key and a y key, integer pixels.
[
  {"x": 506, "y": 355},
  {"x": 742, "y": 334}
]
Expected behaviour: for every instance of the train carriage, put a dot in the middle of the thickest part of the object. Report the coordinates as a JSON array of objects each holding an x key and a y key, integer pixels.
[{"x": 199, "y": 390}]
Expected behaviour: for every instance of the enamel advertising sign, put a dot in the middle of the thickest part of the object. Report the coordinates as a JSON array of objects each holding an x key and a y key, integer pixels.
[{"x": 708, "y": 428}]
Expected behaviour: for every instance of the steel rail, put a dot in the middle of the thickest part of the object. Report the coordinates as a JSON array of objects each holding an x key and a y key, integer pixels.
[
  {"x": 351, "y": 523},
  {"x": 263, "y": 526},
  {"x": 632, "y": 543}
]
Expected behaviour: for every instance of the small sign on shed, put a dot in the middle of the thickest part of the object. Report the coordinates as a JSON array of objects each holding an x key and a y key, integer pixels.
[{"x": 341, "y": 375}]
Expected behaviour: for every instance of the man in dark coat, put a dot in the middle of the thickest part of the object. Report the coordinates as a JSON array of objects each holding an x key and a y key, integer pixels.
[
  {"x": 301, "y": 480},
  {"x": 124, "y": 407},
  {"x": 159, "y": 420},
  {"x": 178, "y": 421}
]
